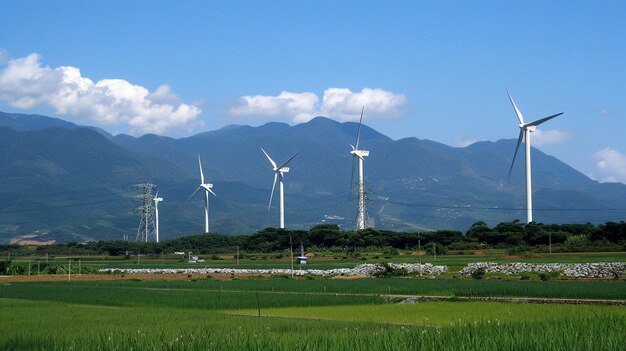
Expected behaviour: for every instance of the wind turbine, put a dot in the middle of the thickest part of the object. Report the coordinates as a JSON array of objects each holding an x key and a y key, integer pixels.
[
  {"x": 524, "y": 133},
  {"x": 279, "y": 175},
  {"x": 156, "y": 200},
  {"x": 360, "y": 156},
  {"x": 207, "y": 189}
]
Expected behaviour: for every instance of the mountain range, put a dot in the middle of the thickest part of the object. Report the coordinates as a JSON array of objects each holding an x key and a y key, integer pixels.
[{"x": 65, "y": 182}]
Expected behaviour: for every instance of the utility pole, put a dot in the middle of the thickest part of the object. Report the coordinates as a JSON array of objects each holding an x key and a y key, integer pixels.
[
  {"x": 419, "y": 250},
  {"x": 291, "y": 252},
  {"x": 550, "y": 241}
]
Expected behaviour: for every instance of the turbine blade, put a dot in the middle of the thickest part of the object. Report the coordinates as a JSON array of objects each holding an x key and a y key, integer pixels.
[
  {"x": 269, "y": 158},
  {"x": 201, "y": 173},
  {"x": 288, "y": 160},
  {"x": 352, "y": 177},
  {"x": 272, "y": 193},
  {"x": 517, "y": 111},
  {"x": 211, "y": 191},
  {"x": 358, "y": 133},
  {"x": 194, "y": 193},
  {"x": 539, "y": 121},
  {"x": 519, "y": 141}
]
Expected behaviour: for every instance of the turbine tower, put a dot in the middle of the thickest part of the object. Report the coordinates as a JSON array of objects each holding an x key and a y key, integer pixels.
[
  {"x": 524, "y": 133},
  {"x": 279, "y": 175},
  {"x": 359, "y": 155},
  {"x": 156, "y": 200},
  {"x": 207, "y": 189}
]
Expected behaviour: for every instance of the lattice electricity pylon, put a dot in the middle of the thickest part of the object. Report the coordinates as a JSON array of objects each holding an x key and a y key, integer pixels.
[{"x": 146, "y": 229}]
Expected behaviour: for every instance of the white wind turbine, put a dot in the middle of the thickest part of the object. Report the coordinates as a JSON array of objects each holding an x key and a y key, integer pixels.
[
  {"x": 360, "y": 156},
  {"x": 207, "y": 189},
  {"x": 278, "y": 175},
  {"x": 156, "y": 200},
  {"x": 524, "y": 133}
]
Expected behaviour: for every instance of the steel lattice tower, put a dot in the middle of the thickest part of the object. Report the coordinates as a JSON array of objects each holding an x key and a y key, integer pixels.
[{"x": 146, "y": 229}]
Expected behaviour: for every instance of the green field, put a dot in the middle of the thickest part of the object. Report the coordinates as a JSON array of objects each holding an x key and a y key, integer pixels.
[
  {"x": 261, "y": 261},
  {"x": 304, "y": 315}
]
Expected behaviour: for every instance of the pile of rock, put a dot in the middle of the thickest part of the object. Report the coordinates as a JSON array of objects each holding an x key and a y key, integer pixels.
[
  {"x": 577, "y": 270},
  {"x": 369, "y": 270}
]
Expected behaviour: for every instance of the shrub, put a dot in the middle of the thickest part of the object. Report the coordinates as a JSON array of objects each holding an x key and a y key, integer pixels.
[
  {"x": 389, "y": 252},
  {"x": 389, "y": 271},
  {"x": 576, "y": 241},
  {"x": 4, "y": 266},
  {"x": 545, "y": 276},
  {"x": 518, "y": 250},
  {"x": 436, "y": 248},
  {"x": 478, "y": 273},
  {"x": 16, "y": 269}
]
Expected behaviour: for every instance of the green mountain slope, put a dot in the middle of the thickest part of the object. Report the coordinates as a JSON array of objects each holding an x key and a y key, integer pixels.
[{"x": 74, "y": 183}]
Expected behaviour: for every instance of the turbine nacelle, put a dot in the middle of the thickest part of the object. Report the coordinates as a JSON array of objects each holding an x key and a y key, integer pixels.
[
  {"x": 207, "y": 187},
  {"x": 360, "y": 153}
]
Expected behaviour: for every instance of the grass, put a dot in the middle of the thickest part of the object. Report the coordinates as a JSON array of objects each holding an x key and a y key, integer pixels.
[{"x": 96, "y": 327}]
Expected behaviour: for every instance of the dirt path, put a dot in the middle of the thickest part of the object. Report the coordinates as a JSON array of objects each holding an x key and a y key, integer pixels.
[{"x": 535, "y": 300}]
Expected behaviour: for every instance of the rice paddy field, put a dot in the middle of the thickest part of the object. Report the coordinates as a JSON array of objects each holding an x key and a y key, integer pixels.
[{"x": 300, "y": 314}]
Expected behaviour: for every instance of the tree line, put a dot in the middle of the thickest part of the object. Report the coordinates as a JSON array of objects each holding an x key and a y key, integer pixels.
[{"x": 560, "y": 237}]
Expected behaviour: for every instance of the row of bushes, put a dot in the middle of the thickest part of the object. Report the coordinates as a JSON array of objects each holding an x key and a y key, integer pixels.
[
  {"x": 563, "y": 237},
  {"x": 24, "y": 268}
]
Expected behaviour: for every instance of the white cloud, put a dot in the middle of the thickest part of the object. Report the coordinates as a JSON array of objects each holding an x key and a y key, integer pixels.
[
  {"x": 339, "y": 103},
  {"x": 25, "y": 84},
  {"x": 611, "y": 165},
  {"x": 299, "y": 106},
  {"x": 464, "y": 142},
  {"x": 346, "y": 105},
  {"x": 548, "y": 137}
]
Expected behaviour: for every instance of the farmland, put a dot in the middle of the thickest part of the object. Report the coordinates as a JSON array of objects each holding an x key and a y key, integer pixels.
[
  {"x": 320, "y": 314},
  {"x": 120, "y": 311}
]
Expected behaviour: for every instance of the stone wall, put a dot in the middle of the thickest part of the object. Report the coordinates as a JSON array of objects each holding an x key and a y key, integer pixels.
[
  {"x": 363, "y": 269},
  {"x": 575, "y": 270}
]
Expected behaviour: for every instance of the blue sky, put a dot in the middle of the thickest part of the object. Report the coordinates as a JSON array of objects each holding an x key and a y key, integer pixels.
[{"x": 437, "y": 70}]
